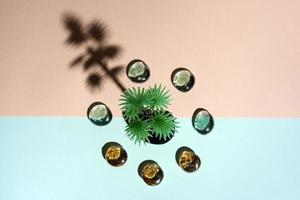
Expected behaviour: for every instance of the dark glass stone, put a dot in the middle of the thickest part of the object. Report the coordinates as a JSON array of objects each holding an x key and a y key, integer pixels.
[
  {"x": 187, "y": 159},
  {"x": 99, "y": 114},
  {"x": 150, "y": 172},
  {"x": 137, "y": 71},
  {"x": 202, "y": 121},
  {"x": 114, "y": 154},
  {"x": 182, "y": 79}
]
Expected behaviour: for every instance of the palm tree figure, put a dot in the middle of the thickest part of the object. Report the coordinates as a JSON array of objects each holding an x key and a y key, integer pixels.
[{"x": 97, "y": 52}]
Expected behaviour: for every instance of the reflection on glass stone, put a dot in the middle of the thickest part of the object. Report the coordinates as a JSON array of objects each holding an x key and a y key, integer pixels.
[
  {"x": 150, "y": 172},
  {"x": 114, "y": 154},
  {"x": 187, "y": 159},
  {"x": 202, "y": 121},
  {"x": 99, "y": 114},
  {"x": 182, "y": 79},
  {"x": 137, "y": 71}
]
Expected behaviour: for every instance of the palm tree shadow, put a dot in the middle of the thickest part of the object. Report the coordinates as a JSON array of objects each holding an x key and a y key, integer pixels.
[{"x": 97, "y": 54}]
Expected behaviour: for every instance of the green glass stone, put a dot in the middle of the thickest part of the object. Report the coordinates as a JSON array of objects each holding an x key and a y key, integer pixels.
[
  {"x": 99, "y": 114},
  {"x": 182, "y": 79},
  {"x": 202, "y": 121},
  {"x": 137, "y": 71}
]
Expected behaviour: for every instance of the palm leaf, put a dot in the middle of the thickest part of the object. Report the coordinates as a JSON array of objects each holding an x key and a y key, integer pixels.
[
  {"x": 159, "y": 97},
  {"x": 132, "y": 102},
  {"x": 163, "y": 124},
  {"x": 138, "y": 131}
]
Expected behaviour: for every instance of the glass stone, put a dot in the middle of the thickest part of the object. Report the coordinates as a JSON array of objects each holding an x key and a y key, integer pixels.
[
  {"x": 182, "y": 79},
  {"x": 99, "y": 114},
  {"x": 202, "y": 121},
  {"x": 114, "y": 154},
  {"x": 187, "y": 159},
  {"x": 150, "y": 172},
  {"x": 137, "y": 71}
]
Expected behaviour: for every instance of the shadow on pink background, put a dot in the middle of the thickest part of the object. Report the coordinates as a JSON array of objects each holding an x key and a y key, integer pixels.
[{"x": 245, "y": 55}]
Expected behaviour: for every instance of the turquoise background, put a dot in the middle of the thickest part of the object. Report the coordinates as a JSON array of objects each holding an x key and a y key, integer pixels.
[{"x": 60, "y": 158}]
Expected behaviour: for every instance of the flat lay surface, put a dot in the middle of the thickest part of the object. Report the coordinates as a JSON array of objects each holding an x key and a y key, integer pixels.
[
  {"x": 243, "y": 54},
  {"x": 60, "y": 158},
  {"x": 227, "y": 69}
]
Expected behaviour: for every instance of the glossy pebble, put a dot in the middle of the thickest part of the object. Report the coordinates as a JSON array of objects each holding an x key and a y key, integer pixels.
[
  {"x": 150, "y": 172},
  {"x": 182, "y": 79},
  {"x": 187, "y": 159},
  {"x": 114, "y": 154},
  {"x": 99, "y": 114},
  {"x": 202, "y": 121},
  {"x": 137, "y": 71}
]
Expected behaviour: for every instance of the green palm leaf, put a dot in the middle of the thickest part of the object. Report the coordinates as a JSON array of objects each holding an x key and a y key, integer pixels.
[
  {"x": 132, "y": 102},
  {"x": 138, "y": 131},
  {"x": 159, "y": 97},
  {"x": 163, "y": 124}
]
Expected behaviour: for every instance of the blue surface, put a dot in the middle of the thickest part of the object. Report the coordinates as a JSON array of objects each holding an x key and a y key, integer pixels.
[{"x": 60, "y": 158}]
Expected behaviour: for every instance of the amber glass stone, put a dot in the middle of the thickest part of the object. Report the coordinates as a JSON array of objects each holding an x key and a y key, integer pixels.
[
  {"x": 150, "y": 172},
  {"x": 187, "y": 159},
  {"x": 114, "y": 154}
]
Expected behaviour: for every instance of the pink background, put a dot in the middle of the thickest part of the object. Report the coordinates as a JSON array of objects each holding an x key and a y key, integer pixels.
[{"x": 245, "y": 54}]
